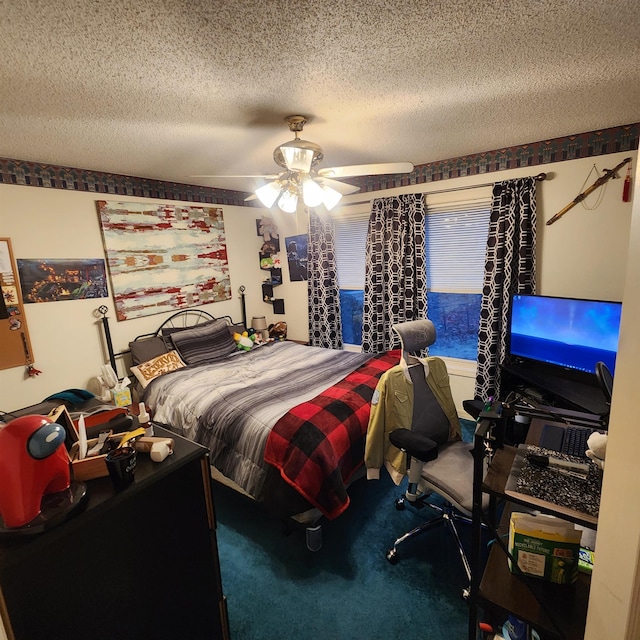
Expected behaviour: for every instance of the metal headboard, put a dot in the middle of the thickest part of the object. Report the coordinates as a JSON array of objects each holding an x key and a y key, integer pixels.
[{"x": 181, "y": 319}]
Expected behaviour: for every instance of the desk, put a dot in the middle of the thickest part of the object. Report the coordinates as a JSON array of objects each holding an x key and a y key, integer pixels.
[{"x": 555, "y": 611}]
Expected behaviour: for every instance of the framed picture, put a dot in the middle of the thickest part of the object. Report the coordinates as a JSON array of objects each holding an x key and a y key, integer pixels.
[
  {"x": 53, "y": 279},
  {"x": 297, "y": 257}
]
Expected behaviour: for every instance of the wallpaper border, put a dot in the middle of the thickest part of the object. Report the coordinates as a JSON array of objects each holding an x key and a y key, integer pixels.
[{"x": 582, "y": 145}]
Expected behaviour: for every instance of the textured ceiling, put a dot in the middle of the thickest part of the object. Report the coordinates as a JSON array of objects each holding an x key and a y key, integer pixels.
[{"x": 166, "y": 89}]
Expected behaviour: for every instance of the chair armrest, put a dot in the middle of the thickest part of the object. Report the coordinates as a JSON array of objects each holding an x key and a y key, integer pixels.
[{"x": 415, "y": 444}]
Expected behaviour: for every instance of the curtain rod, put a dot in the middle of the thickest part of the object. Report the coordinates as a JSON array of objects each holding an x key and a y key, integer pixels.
[{"x": 539, "y": 178}]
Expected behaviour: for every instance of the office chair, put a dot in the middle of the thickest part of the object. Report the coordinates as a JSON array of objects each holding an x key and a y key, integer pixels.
[
  {"x": 605, "y": 380},
  {"x": 436, "y": 464}
]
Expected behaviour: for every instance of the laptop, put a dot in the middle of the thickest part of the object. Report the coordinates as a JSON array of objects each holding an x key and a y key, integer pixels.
[{"x": 569, "y": 439}]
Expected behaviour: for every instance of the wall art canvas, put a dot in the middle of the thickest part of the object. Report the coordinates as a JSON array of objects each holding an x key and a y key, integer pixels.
[
  {"x": 164, "y": 257},
  {"x": 55, "y": 279},
  {"x": 297, "y": 257}
]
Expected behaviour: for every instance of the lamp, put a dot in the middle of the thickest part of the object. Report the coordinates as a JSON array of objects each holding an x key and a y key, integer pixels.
[
  {"x": 289, "y": 191},
  {"x": 259, "y": 324},
  {"x": 299, "y": 181},
  {"x": 268, "y": 193}
]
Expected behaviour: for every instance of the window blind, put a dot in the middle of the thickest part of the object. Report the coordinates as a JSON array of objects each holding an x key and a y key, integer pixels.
[
  {"x": 456, "y": 238},
  {"x": 350, "y": 244}
]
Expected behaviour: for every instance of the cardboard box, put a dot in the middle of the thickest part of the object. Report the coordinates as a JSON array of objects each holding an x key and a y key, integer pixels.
[
  {"x": 87, "y": 468},
  {"x": 544, "y": 547}
]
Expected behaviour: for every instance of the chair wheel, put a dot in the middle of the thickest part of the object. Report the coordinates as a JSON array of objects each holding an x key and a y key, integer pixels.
[
  {"x": 392, "y": 556},
  {"x": 400, "y": 504}
]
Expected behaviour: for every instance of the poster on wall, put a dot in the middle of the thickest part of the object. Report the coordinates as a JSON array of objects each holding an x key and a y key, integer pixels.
[
  {"x": 56, "y": 279},
  {"x": 14, "y": 335},
  {"x": 163, "y": 257},
  {"x": 297, "y": 257}
]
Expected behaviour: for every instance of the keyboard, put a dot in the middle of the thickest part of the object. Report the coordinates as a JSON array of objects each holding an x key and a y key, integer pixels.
[
  {"x": 575, "y": 439},
  {"x": 571, "y": 440}
]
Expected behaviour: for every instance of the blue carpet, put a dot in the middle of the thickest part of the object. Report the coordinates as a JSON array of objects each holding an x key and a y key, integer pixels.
[{"x": 278, "y": 590}]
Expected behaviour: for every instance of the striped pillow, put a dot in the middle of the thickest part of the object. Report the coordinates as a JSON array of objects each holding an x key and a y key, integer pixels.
[{"x": 205, "y": 343}]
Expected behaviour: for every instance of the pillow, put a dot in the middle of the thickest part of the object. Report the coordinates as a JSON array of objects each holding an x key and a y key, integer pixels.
[
  {"x": 167, "y": 332},
  {"x": 146, "y": 349},
  {"x": 150, "y": 370},
  {"x": 205, "y": 342}
]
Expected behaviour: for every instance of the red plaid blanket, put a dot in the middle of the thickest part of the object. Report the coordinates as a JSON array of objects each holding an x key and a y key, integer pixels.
[{"x": 319, "y": 444}]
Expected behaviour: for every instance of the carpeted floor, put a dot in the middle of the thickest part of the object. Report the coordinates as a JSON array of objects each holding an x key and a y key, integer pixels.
[{"x": 278, "y": 590}]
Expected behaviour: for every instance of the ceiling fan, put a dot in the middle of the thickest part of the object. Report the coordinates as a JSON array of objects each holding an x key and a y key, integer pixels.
[{"x": 301, "y": 178}]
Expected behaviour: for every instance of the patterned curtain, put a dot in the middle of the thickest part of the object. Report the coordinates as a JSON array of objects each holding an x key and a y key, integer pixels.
[
  {"x": 325, "y": 326},
  {"x": 510, "y": 267},
  {"x": 395, "y": 287}
]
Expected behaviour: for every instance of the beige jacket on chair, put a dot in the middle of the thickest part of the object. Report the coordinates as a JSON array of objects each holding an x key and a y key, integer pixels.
[{"x": 392, "y": 408}]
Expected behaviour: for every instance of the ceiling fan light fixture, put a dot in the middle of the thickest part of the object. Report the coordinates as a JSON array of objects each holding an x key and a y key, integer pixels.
[
  {"x": 330, "y": 197},
  {"x": 312, "y": 193},
  {"x": 268, "y": 193},
  {"x": 297, "y": 158},
  {"x": 288, "y": 201}
]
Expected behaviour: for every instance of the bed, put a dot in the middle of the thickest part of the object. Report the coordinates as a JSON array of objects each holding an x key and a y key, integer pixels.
[{"x": 284, "y": 423}]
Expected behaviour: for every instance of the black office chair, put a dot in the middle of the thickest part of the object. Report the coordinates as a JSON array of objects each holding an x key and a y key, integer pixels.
[
  {"x": 436, "y": 464},
  {"x": 605, "y": 380}
]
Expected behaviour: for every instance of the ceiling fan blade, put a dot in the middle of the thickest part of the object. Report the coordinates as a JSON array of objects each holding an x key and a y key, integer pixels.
[
  {"x": 253, "y": 196},
  {"x": 354, "y": 170},
  {"x": 271, "y": 176},
  {"x": 341, "y": 187}
]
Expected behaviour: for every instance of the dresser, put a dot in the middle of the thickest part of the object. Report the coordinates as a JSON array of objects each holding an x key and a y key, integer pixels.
[{"x": 136, "y": 565}]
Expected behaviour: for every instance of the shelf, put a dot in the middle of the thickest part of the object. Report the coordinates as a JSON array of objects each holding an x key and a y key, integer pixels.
[
  {"x": 555, "y": 611},
  {"x": 566, "y": 604}
]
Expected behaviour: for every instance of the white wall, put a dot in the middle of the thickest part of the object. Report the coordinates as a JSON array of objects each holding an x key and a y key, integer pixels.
[
  {"x": 583, "y": 254},
  {"x": 614, "y": 603}
]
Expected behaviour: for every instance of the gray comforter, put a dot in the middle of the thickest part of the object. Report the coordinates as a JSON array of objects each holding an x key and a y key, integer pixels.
[{"x": 230, "y": 406}]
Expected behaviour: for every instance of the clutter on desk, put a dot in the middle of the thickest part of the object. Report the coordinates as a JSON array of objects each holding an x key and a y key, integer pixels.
[
  {"x": 544, "y": 547},
  {"x": 106, "y": 432},
  {"x": 566, "y": 481}
]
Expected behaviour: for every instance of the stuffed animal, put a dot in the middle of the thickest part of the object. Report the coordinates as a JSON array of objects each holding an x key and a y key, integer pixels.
[
  {"x": 278, "y": 331},
  {"x": 597, "y": 450},
  {"x": 244, "y": 341}
]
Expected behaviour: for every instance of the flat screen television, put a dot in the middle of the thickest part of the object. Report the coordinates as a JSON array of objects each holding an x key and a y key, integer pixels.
[{"x": 569, "y": 333}]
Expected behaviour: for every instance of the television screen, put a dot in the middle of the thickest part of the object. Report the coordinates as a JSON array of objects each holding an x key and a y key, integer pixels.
[{"x": 567, "y": 332}]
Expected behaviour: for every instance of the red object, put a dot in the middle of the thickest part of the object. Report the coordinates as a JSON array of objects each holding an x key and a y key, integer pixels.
[
  {"x": 319, "y": 444},
  {"x": 626, "y": 188},
  {"x": 33, "y": 463}
]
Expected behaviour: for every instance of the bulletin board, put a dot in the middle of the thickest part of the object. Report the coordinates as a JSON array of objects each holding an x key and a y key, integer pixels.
[{"x": 15, "y": 345}]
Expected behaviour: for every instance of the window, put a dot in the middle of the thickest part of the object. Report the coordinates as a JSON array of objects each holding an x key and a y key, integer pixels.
[{"x": 456, "y": 238}]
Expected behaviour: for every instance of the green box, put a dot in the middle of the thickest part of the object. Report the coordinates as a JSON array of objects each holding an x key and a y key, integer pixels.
[{"x": 544, "y": 547}]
